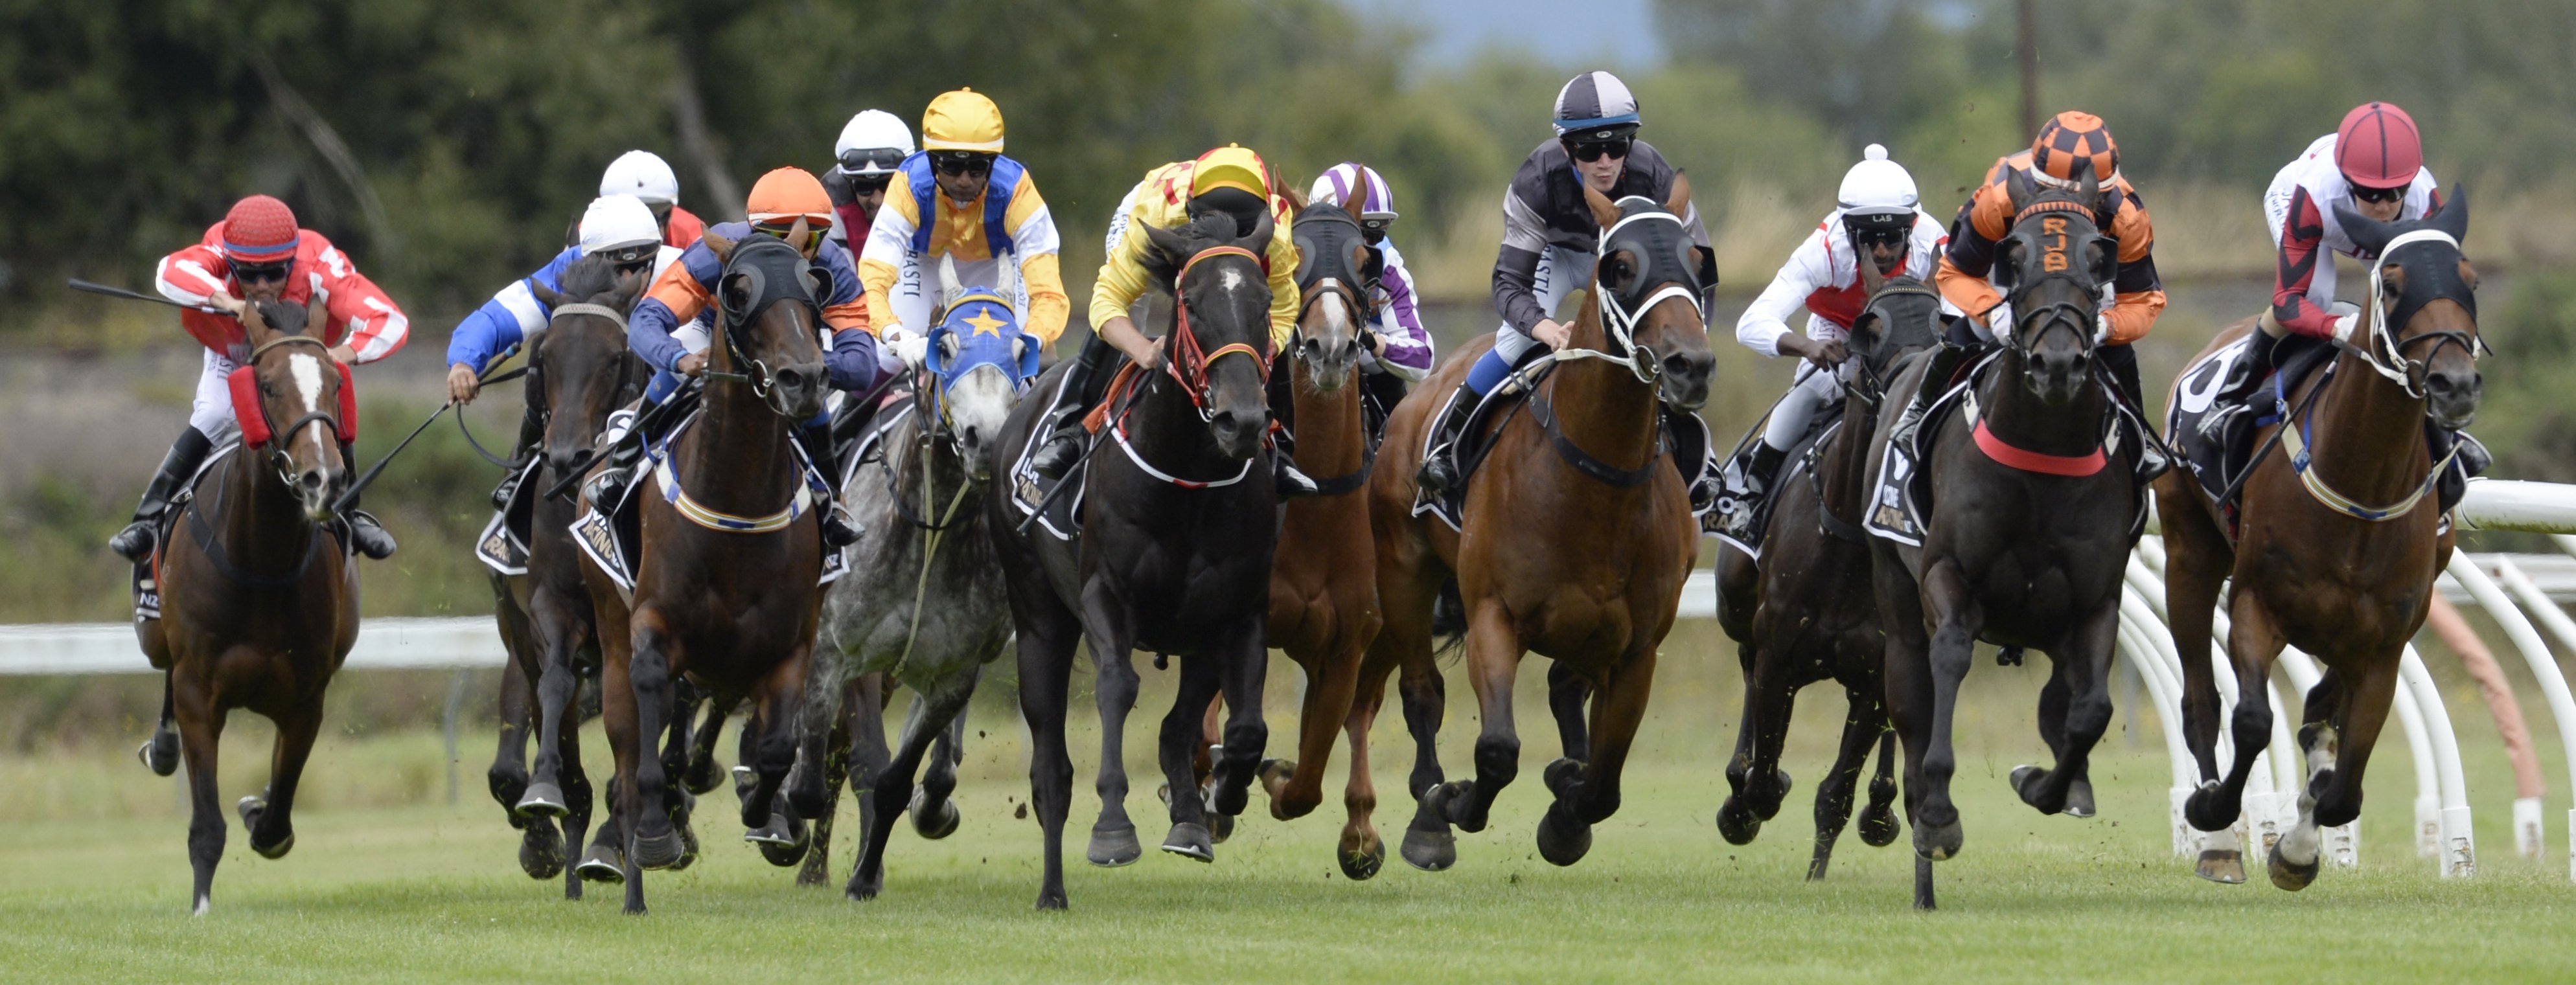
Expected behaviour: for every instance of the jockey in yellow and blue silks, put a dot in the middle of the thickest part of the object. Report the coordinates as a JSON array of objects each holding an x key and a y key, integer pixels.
[
  {"x": 1229, "y": 180},
  {"x": 961, "y": 199}
]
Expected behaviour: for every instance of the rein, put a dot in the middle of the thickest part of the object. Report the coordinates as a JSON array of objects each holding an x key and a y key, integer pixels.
[{"x": 1189, "y": 362}]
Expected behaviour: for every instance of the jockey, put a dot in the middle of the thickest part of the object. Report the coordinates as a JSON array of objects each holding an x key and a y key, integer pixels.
[
  {"x": 621, "y": 226},
  {"x": 962, "y": 199},
  {"x": 1399, "y": 348},
  {"x": 1549, "y": 235},
  {"x": 1230, "y": 180},
  {"x": 665, "y": 331},
  {"x": 872, "y": 145},
  {"x": 259, "y": 254},
  {"x": 2135, "y": 294},
  {"x": 645, "y": 175},
  {"x": 1880, "y": 219}
]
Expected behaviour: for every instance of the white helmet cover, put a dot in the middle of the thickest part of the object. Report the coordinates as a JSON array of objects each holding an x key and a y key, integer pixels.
[
  {"x": 1877, "y": 186},
  {"x": 615, "y": 222},
  {"x": 642, "y": 174},
  {"x": 873, "y": 129}
]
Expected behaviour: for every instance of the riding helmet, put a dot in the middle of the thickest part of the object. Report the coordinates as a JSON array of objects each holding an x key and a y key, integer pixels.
[{"x": 2378, "y": 147}]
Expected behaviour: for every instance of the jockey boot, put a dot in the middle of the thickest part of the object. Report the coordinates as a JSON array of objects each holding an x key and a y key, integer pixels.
[
  {"x": 1285, "y": 479},
  {"x": 1439, "y": 473},
  {"x": 625, "y": 440},
  {"x": 1946, "y": 359},
  {"x": 1750, "y": 483},
  {"x": 1083, "y": 384},
  {"x": 532, "y": 432},
  {"x": 2473, "y": 454},
  {"x": 134, "y": 543},
  {"x": 817, "y": 439},
  {"x": 364, "y": 529}
]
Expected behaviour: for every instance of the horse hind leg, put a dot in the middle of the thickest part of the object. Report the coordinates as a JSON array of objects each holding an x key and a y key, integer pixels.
[
  {"x": 834, "y": 755},
  {"x": 2361, "y": 707},
  {"x": 933, "y": 809},
  {"x": 1861, "y": 728},
  {"x": 1753, "y": 775},
  {"x": 1878, "y": 825},
  {"x": 160, "y": 753},
  {"x": 1493, "y": 660},
  {"x": 926, "y": 723},
  {"x": 2294, "y": 859}
]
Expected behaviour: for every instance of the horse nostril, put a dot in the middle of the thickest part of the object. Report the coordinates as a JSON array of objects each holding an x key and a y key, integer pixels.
[{"x": 312, "y": 480}]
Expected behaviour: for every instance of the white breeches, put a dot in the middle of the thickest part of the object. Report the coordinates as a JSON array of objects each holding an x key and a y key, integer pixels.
[
  {"x": 212, "y": 412},
  {"x": 1810, "y": 395},
  {"x": 1551, "y": 289}
]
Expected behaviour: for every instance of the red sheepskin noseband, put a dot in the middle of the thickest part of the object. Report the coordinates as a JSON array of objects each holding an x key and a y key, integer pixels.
[{"x": 244, "y": 383}]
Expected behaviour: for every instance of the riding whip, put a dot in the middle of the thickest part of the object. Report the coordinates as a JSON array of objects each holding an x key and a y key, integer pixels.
[{"x": 355, "y": 487}]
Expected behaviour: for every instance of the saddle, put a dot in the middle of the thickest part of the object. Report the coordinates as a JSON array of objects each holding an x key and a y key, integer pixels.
[
  {"x": 1801, "y": 458},
  {"x": 1901, "y": 493},
  {"x": 1683, "y": 435},
  {"x": 613, "y": 540}
]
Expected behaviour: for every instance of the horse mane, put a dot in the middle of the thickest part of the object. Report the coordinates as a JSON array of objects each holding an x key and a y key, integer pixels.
[{"x": 284, "y": 318}]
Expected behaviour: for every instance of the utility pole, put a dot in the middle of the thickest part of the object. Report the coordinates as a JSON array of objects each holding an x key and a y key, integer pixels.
[{"x": 2028, "y": 51}]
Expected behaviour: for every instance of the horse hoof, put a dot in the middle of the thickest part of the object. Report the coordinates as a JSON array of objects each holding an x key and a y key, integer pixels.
[
  {"x": 1455, "y": 799},
  {"x": 160, "y": 753},
  {"x": 1114, "y": 847},
  {"x": 1220, "y": 827},
  {"x": 659, "y": 851},
  {"x": 2287, "y": 875},
  {"x": 1363, "y": 864},
  {"x": 1429, "y": 851},
  {"x": 544, "y": 800},
  {"x": 250, "y": 809},
  {"x": 785, "y": 855},
  {"x": 1051, "y": 901},
  {"x": 2026, "y": 780},
  {"x": 1562, "y": 838},
  {"x": 541, "y": 851},
  {"x": 1878, "y": 826},
  {"x": 929, "y": 823},
  {"x": 601, "y": 864},
  {"x": 2222, "y": 865},
  {"x": 861, "y": 892},
  {"x": 1274, "y": 771},
  {"x": 1561, "y": 776},
  {"x": 2204, "y": 811},
  {"x": 1190, "y": 841},
  {"x": 688, "y": 847},
  {"x": 1736, "y": 822},
  {"x": 2079, "y": 799},
  {"x": 1938, "y": 842}
]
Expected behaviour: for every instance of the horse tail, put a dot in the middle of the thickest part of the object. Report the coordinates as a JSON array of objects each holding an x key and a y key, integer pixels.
[{"x": 1448, "y": 620}]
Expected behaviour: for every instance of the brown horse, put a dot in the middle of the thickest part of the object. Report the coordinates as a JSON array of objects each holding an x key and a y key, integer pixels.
[
  {"x": 2316, "y": 566},
  {"x": 726, "y": 589},
  {"x": 1807, "y": 614},
  {"x": 259, "y": 603},
  {"x": 581, "y": 371},
  {"x": 1577, "y": 536}
]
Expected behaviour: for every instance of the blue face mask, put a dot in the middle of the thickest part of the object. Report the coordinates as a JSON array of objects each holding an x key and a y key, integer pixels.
[{"x": 983, "y": 329}]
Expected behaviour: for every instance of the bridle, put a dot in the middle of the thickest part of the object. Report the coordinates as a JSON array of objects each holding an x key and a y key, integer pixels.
[
  {"x": 1872, "y": 386},
  {"x": 1188, "y": 361},
  {"x": 2384, "y": 351},
  {"x": 1619, "y": 319},
  {"x": 274, "y": 453},
  {"x": 761, "y": 377},
  {"x": 536, "y": 365}
]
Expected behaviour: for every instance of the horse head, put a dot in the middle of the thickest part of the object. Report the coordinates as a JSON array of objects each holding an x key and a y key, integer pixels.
[
  {"x": 771, "y": 301},
  {"x": 2427, "y": 297},
  {"x": 1221, "y": 307},
  {"x": 1334, "y": 281},
  {"x": 580, "y": 358},
  {"x": 1648, "y": 280},
  {"x": 2052, "y": 265},
  {"x": 1902, "y": 315},
  {"x": 979, "y": 363},
  {"x": 291, "y": 377}
]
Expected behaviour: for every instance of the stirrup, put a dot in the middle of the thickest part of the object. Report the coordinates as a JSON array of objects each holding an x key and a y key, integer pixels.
[
  {"x": 1056, "y": 456},
  {"x": 837, "y": 531}
]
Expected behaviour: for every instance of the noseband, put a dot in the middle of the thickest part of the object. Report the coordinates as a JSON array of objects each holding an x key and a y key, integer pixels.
[{"x": 1188, "y": 361}]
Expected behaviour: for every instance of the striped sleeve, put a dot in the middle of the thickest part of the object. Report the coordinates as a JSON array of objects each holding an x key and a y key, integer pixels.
[
  {"x": 1407, "y": 345},
  {"x": 1036, "y": 244}
]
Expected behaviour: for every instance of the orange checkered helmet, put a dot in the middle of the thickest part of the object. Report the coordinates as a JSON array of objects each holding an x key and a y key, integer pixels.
[{"x": 2073, "y": 135}]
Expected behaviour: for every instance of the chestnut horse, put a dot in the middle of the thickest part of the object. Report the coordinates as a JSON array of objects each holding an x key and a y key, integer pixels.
[
  {"x": 1578, "y": 536},
  {"x": 259, "y": 603},
  {"x": 2315, "y": 568},
  {"x": 1807, "y": 614},
  {"x": 1178, "y": 527},
  {"x": 2012, "y": 555},
  {"x": 726, "y": 590},
  {"x": 581, "y": 370}
]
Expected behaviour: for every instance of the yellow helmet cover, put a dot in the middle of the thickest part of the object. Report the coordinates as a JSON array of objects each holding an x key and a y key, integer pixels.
[{"x": 963, "y": 120}]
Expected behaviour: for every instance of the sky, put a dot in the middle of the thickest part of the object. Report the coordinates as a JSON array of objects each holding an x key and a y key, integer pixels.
[{"x": 1612, "y": 34}]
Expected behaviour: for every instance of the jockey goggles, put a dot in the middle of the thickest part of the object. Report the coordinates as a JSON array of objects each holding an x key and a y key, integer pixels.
[
  {"x": 260, "y": 273},
  {"x": 871, "y": 162},
  {"x": 961, "y": 162},
  {"x": 1879, "y": 229},
  {"x": 1594, "y": 150},
  {"x": 2378, "y": 195},
  {"x": 867, "y": 184},
  {"x": 781, "y": 227},
  {"x": 629, "y": 257}
]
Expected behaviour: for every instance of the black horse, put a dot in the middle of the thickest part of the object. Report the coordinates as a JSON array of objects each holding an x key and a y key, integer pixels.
[
  {"x": 2027, "y": 554},
  {"x": 1178, "y": 526},
  {"x": 1807, "y": 614}
]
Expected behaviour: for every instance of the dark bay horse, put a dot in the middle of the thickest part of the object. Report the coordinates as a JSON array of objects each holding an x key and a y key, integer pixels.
[
  {"x": 1808, "y": 614},
  {"x": 1178, "y": 526},
  {"x": 259, "y": 603},
  {"x": 581, "y": 372},
  {"x": 1578, "y": 536},
  {"x": 726, "y": 590},
  {"x": 2013, "y": 556},
  {"x": 924, "y": 605},
  {"x": 2340, "y": 542}
]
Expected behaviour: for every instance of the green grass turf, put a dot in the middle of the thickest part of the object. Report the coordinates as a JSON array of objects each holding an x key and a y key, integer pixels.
[{"x": 432, "y": 892}]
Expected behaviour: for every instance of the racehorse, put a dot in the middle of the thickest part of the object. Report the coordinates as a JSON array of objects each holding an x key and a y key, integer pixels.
[
  {"x": 725, "y": 592},
  {"x": 923, "y": 605},
  {"x": 259, "y": 603},
  {"x": 2027, "y": 554},
  {"x": 1578, "y": 536},
  {"x": 2315, "y": 567},
  {"x": 1178, "y": 526},
  {"x": 1807, "y": 614},
  {"x": 581, "y": 371}
]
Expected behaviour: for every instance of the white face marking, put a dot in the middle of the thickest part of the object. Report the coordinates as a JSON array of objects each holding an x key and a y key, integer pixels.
[
  {"x": 308, "y": 384},
  {"x": 1337, "y": 316},
  {"x": 1232, "y": 279}
]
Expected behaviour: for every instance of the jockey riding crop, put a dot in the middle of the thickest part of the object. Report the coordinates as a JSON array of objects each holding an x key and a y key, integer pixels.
[{"x": 78, "y": 284}]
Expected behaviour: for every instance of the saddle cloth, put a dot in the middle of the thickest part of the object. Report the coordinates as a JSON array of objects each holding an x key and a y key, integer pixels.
[
  {"x": 1901, "y": 491},
  {"x": 1034, "y": 495},
  {"x": 503, "y": 544},
  {"x": 613, "y": 541},
  {"x": 146, "y": 581}
]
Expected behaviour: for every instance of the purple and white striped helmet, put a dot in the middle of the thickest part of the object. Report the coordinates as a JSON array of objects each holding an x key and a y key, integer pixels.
[{"x": 1357, "y": 189}]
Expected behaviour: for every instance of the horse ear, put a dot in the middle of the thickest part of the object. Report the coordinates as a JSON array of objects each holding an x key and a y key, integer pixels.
[
  {"x": 1678, "y": 202},
  {"x": 2007, "y": 268},
  {"x": 1605, "y": 213},
  {"x": 722, "y": 247},
  {"x": 1165, "y": 252},
  {"x": 547, "y": 296},
  {"x": 949, "y": 289},
  {"x": 2453, "y": 217},
  {"x": 1705, "y": 266},
  {"x": 2370, "y": 234},
  {"x": 628, "y": 289},
  {"x": 2019, "y": 188},
  {"x": 1258, "y": 241},
  {"x": 2088, "y": 186},
  {"x": 2106, "y": 259}
]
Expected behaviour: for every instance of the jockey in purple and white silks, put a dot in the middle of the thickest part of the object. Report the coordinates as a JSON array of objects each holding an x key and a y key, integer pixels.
[{"x": 1399, "y": 350}]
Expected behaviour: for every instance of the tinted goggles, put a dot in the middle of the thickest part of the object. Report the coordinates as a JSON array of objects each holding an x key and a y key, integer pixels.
[
  {"x": 814, "y": 232},
  {"x": 633, "y": 256},
  {"x": 961, "y": 162},
  {"x": 2381, "y": 196},
  {"x": 868, "y": 184},
  {"x": 260, "y": 273},
  {"x": 1594, "y": 150},
  {"x": 1879, "y": 230}
]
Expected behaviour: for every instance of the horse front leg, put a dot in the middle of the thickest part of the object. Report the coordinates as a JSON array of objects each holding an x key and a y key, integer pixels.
[
  {"x": 1361, "y": 852},
  {"x": 934, "y": 814},
  {"x": 1587, "y": 791},
  {"x": 2338, "y": 753},
  {"x": 929, "y": 719},
  {"x": 1113, "y": 835},
  {"x": 835, "y": 757},
  {"x": 1952, "y": 649},
  {"x": 1493, "y": 660},
  {"x": 1906, "y": 673},
  {"x": 1331, "y": 683},
  {"x": 654, "y": 841},
  {"x": 773, "y": 756},
  {"x": 1176, "y": 748},
  {"x": 514, "y": 706},
  {"x": 704, "y": 774},
  {"x": 1567, "y": 695},
  {"x": 557, "y": 636},
  {"x": 201, "y": 730},
  {"x": 1047, "y": 631},
  {"x": 2252, "y": 641},
  {"x": 1754, "y": 774},
  {"x": 2076, "y": 719}
]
